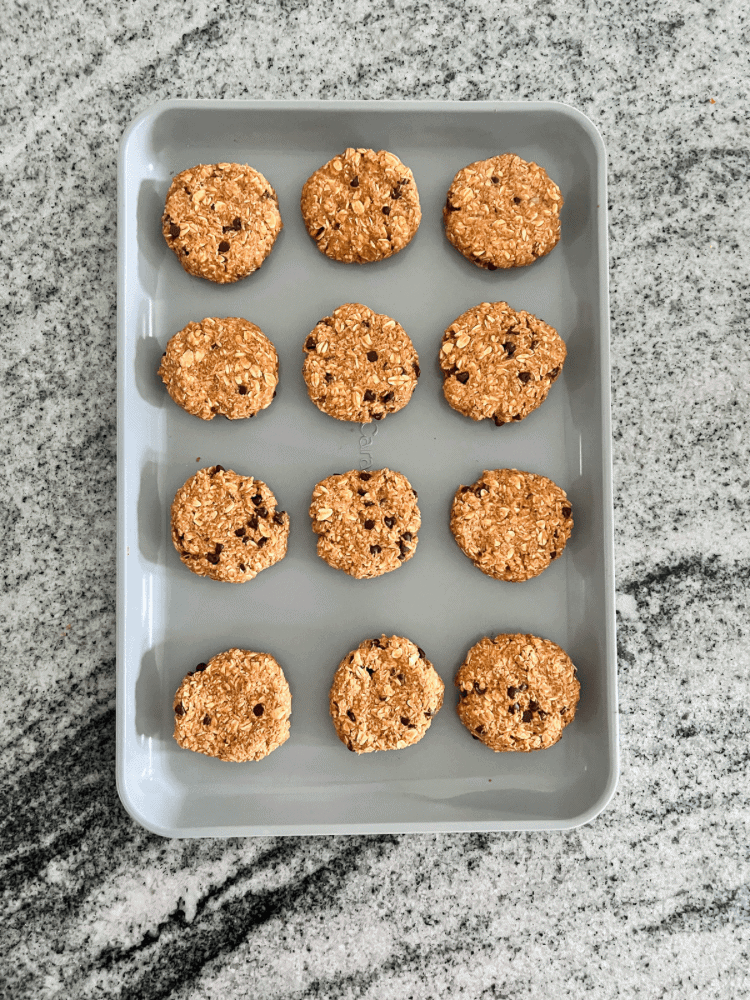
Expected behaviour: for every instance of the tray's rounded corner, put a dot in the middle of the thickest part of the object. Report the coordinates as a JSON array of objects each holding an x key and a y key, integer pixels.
[
  {"x": 588, "y": 126},
  {"x": 142, "y": 120},
  {"x": 132, "y": 810},
  {"x": 602, "y": 801}
]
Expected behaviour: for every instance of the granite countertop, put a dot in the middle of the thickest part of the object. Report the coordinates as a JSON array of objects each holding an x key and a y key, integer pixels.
[{"x": 651, "y": 899}]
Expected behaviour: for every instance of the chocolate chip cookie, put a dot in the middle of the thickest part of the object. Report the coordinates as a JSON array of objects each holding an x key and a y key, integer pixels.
[
  {"x": 224, "y": 366},
  {"x": 503, "y": 212},
  {"x": 499, "y": 363},
  {"x": 361, "y": 206},
  {"x": 221, "y": 220},
  {"x": 235, "y": 707},
  {"x": 226, "y": 526},
  {"x": 359, "y": 365},
  {"x": 517, "y": 692},
  {"x": 384, "y": 695},
  {"x": 511, "y": 524},
  {"x": 367, "y": 521}
]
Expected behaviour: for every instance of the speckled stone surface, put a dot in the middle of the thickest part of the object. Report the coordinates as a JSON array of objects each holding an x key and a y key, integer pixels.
[{"x": 650, "y": 900}]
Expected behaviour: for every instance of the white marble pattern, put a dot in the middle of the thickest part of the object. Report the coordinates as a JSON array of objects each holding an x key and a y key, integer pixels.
[{"x": 650, "y": 900}]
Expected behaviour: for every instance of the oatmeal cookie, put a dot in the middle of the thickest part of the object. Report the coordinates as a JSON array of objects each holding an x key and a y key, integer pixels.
[
  {"x": 226, "y": 526},
  {"x": 511, "y": 524},
  {"x": 367, "y": 521},
  {"x": 359, "y": 365},
  {"x": 503, "y": 212},
  {"x": 361, "y": 206},
  {"x": 384, "y": 696},
  {"x": 235, "y": 707},
  {"x": 517, "y": 692},
  {"x": 221, "y": 220},
  {"x": 224, "y": 366},
  {"x": 499, "y": 363}
]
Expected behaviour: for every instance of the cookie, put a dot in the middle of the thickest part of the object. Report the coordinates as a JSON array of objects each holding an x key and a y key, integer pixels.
[
  {"x": 361, "y": 206},
  {"x": 224, "y": 366},
  {"x": 499, "y": 363},
  {"x": 235, "y": 707},
  {"x": 226, "y": 526},
  {"x": 221, "y": 220},
  {"x": 360, "y": 365},
  {"x": 517, "y": 692},
  {"x": 511, "y": 524},
  {"x": 384, "y": 695},
  {"x": 367, "y": 521},
  {"x": 503, "y": 212}
]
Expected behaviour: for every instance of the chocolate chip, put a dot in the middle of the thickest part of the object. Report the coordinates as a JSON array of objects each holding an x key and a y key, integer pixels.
[
  {"x": 206, "y": 720},
  {"x": 217, "y": 468},
  {"x": 262, "y": 512},
  {"x": 563, "y": 710},
  {"x": 309, "y": 344},
  {"x": 466, "y": 489},
  {"x": 178, "y": 709},
  {"x": 253, "y": 523},
  {"x": 416, "y": 495},
  {"x": 369, "y": 503},
  {"x": 478, "y": 689},
  {"x": 527, "y": 716},
  {"x": 258, "y": 711},
  {"x": 351, "y": 715},
  {"x": 330, "y": 377},
  {"x": 370, "y": 396},
  {"x": 278, "y": 517},
  {"x": 516, "y": 201},
  {"x": 464, "y": 694},
  {"x": 451, "y": 208},
  {"x": 406, "y": 536},
  {"x": 553, "y": 374},
  {"x": 375, "y": 549},
  {"x": 542, "y": 714},
  {"x": 261, "y": 542},
  {"x": 212, "y": 558},
  {"x": 417, "y": 370},
  {"x": 240, "y": 532},
  {"x": 534, "y": 343},
  {"x": 370, "y": 671},
  {"x": 495, "y": 180},
  {"x": 274, "y": 394},
  {"x": 386, "y": 210},
  {"x": 242, "y": 390},
  {"x": 354, "y": 183},
  {"x": 404, "y": 549},
  {"x": 386, "y": 397},
  {"x": 492, "y": 267},
  {"x": 390, "y": 521},
  {"x": 395, "y": 194},
  {"x": 513, "y": 709},
  {"x": 510, "y": 349},
  {"x": 378, "y": 416},
  {"x": 320, "y": 232},
  {"x": 404, "y": 721},
  {"x": 174, "y": 231},
  {"x": 511, "y": 692},
  {"x": 200, "y": 668},
  {"x": 400, "y": 677},
  {"x": 479, "y": 487},
  {"x": 223, "y": 246},
  {"x": 242, "y": 567},
  {"x": 474, "y": 737},
  {"x": 533, "y": 705},
  {"x": 499, "y": 422},
  {"x": 553, "y": 554},
  {"x": 428, "y": 714},
  {"x": 524, "y": 377},
  {"x": 186, "y": 251},
  {"x": 365, "y": 476},
  {"x": 517, "y": 416},
  {"x": 337, "y": 225},
  {"x": 462, "y": 377},
  {"x": 369, "y": 525},
  {"x": 567, "y": 511},
  {"x": 372, "y": 355},
  {"x": 479, "y": 729},
  {"x": 421, "y": 653},
  {"x": 219, "y": 549},
  {"x": 523, "y": 687},
  {"x": 257, "y": 499}
]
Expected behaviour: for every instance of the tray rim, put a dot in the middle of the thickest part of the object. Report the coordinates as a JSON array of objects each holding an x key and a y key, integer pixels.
[{"x": 142, "y": 120}]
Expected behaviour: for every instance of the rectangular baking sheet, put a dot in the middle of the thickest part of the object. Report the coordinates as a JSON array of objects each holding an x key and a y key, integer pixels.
[{"x": 303, "y": 612}]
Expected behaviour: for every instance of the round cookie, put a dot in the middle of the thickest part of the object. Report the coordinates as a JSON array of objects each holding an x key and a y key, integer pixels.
[
  {"x": 359, "y": 365},
  {"x": 517, "y": 692},
  {"x": 384, "y": 695},
  {"x": 221, "y": 220},
  {"x": 226, "y": 526},
  {"x": 511, "y": 524},
  {"x": 499, "y": 363},
  {"x": 226, "y": 366},
  {"x": 503, "y": 212},
  {"x": 235, "y": 707},
  {"x": 361, "y": 206},
  {"x": 367, "y": 521}
]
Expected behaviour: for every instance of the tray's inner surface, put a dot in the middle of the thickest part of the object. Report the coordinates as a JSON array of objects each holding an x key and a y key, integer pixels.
[{"x": 304, "y": 613}]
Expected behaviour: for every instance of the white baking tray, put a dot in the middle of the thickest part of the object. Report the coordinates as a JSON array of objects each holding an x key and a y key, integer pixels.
[{"x": 303, "y": 612}]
